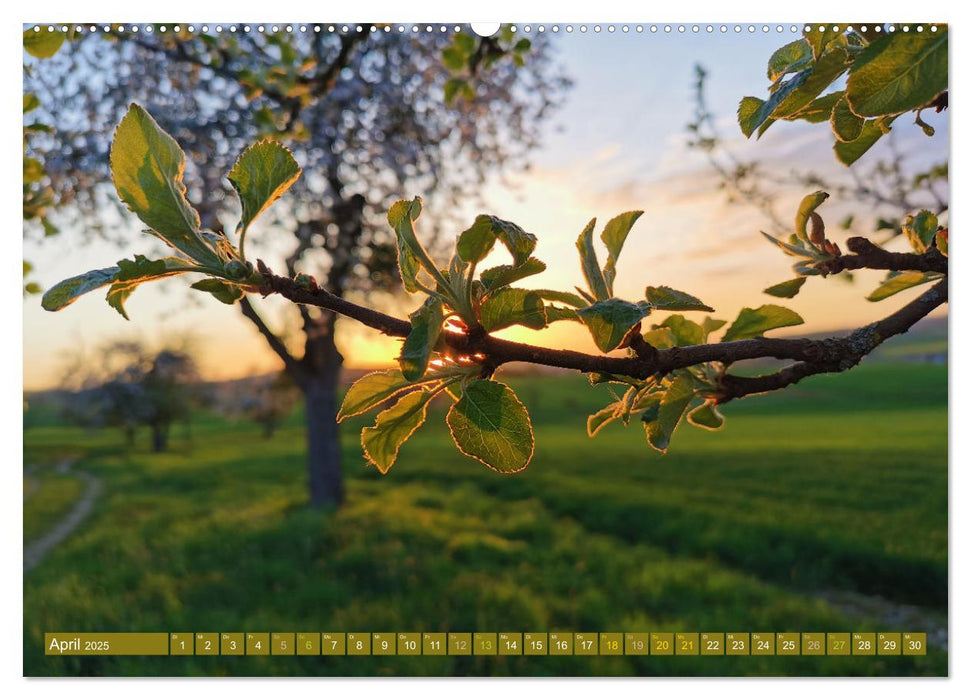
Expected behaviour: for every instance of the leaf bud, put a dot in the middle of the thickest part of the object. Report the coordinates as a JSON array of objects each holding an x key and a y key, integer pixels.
[{"x": 817, "y": 229}]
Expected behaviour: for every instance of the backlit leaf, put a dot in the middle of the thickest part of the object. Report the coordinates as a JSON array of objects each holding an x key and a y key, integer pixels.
[
  {"x": 614, "y": 235},
  {"x": 667, "y": 299},
  {"x": 898, "y": 73},
  {"x": 393, "y": 427},
  {"x": 261, "y": 174},
  {"x": 787, "y": 289},
  {"x": 590, "y": 264},
  {"x": 752, "y": 323},
  {"x": 146, "y": 167},
  {"x": 426, "y": 327},
  {"x": 372, "y": 390},
  {"x": 846, "y": 125},
  {"x": 476, "y": 241},
  {"x": 513, "y": 307},
  {"x": 920, "y": 230},
  {"x": 43, "y": 43},
  {"x": 226, "y": 292},
  {"x": 669, "y": 412},
  {"x": 609, "y": 321},
  {"x": 67, "y": 292},
  {"x": 898, "y": 282},
  {"x": 791, "y": 57},
  {"x": 502, "y": 275},
  {"x": 848, "y": 152},
  {"x": 490, "y": 424},
  {"x": 707, "y": 416}
]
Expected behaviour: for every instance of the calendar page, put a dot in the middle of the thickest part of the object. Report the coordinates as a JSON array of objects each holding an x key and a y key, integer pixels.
[{"x": 512, "y": 349}]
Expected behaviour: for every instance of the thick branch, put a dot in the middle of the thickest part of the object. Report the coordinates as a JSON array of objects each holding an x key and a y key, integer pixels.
[
  {"x": 852, "y": 348},
  {"x": 870, "y": 256},
  {"x": 813, "y": 356}
]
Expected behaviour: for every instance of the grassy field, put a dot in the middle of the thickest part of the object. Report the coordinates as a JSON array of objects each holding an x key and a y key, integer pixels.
[{"x": 822, "y": 508}]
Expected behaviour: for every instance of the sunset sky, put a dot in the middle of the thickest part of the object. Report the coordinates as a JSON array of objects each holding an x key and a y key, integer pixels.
[{"x": 617, "y": 145}]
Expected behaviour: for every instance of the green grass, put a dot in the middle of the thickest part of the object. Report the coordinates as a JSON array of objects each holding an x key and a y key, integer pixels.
[{"x": 839, "y": 484}]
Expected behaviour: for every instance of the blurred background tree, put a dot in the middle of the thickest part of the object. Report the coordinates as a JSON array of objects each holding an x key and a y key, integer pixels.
[
  {"x": 130, "y": 386},
  {"x": 364, "y": 111}
]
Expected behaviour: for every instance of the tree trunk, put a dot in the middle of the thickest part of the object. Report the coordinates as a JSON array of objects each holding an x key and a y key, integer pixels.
[
  {"x": 323, "y": 440},
  {"x": 160, "y": 437}
]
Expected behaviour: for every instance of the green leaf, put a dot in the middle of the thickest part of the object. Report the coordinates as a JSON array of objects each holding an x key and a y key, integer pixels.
[
  {"x": 67, "y": 292},
  {"x": 43, "y": 43},
  {"x": 707, "y": 416},
  {"x": 456, "y": 88},
  {"x": 426, "y": 326},
  {"x": 502, "y": 275},
  {"x": 147, "y": 166},
  {"x": 752, "y": 111},
  {"x": 408, "y": 265},
  {"x": 683, "y": 332},
  {"x": 393, "y": 427},
  {"x": 476, "y": 241},
  {"x": 940, "y": 240},
  {"x": 31, "y": 102},
  {"x": 557, "y": 313},
  {"x": 513, "y": 307},
  {"x": 490, "y": 424},
  {"x": 226, "y": 292},
  {"x": 609, "y": 320},
  {"x": 819, "y": 41},
  {"x": 849, "y": 152},
  {"x": 898, "y": 282},
  {"x": 668, "y": 299},
  {"x": 597, "y": 421},
  {"x": 518, "y": 242},
  {"x": 752, "y": 323},
  {"x": 796, "y": 250},
  {"x": 132, "y": 273},
  {"x": 846, "y": 125},
  {"x": 411, "y": 255},
  {"x": 750, "y": 115},
  {"x": 791, "y": 57},
  {"x": 373, "y": 389},
  {"x": 669, "y": 413},
  {"x": 710, "y": 325},
  {"x": 590, "y": 264},
  {"x": 614, "y": 235},
  {"x": 562, "y": 297},
  {"x": 822, "y": 74},
  {"x": 819, "y": 110},
  {"x": 898, "y": 74},
  {"x": 807, "y": 206},
  {"x": 920, "y": 230},
  {"x": 466, "y": 43},
  {"x": 786, "y": 290},
  {"x": 454, "y": 58},
  {"x": 262, "y": 173},
  {"x": 660, "y": 337}
]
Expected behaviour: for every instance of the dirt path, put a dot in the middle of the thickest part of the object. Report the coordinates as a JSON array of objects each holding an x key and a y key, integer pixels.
[{"x": 34, "y": 552}]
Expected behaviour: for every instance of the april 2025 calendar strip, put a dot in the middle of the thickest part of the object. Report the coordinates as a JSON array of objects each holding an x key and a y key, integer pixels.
[{"x": 485, "y": 644}]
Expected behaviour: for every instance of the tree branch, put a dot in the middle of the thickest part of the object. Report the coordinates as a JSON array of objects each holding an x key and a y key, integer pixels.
[
  {"x": 870, "y": 256},
  {"x": 276, "y": 344},
  {"x": 847, "y": 353},
  {"x": 812, "y": 356}
]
